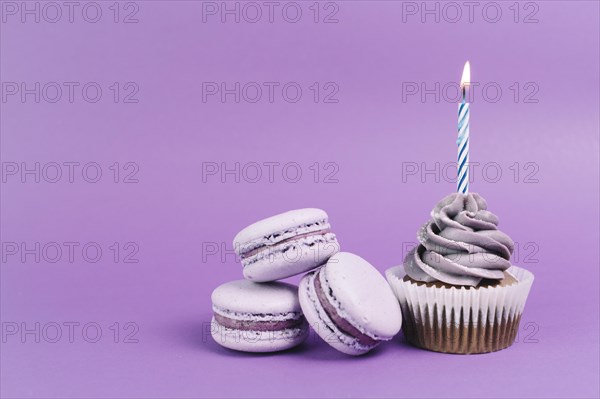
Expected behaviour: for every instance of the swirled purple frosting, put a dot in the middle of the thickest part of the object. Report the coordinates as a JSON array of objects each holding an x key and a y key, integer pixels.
[{"x": 461, "y": 244}]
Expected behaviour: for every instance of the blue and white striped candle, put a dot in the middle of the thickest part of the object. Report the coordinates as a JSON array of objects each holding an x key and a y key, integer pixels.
[{"x": 463, "y": 134}]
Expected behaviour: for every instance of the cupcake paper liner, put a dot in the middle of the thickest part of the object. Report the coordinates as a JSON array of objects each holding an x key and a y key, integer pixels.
[{"x": 461, "y": 320}]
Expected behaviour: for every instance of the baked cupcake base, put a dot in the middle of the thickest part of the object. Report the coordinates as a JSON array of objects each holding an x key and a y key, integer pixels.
[{"x": 461, "y": 320}]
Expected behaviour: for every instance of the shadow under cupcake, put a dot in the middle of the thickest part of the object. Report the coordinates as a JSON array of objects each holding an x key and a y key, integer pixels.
[{"x": 458, "y": 291}]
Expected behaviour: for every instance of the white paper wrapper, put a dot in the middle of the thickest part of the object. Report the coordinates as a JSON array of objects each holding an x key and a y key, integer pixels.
[{"x": 460, "y": 319}]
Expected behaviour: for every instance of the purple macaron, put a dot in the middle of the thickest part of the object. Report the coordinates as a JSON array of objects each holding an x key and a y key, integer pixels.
[
  {"x": 253, "y": 317},
  {"x": 350, "y": 304},
  {"x": 285, "y": 245}
]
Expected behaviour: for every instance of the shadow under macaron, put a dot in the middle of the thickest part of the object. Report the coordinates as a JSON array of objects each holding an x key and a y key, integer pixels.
[
  {"x": 318, "y": 349},
  {"x": 195, "y": 335}
]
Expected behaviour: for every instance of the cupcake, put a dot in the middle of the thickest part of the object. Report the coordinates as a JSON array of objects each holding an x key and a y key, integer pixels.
[{"x": 457, "y": 289}]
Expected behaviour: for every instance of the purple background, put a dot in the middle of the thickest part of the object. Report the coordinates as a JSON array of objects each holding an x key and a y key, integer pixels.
[{"x": 173, "y": 216}]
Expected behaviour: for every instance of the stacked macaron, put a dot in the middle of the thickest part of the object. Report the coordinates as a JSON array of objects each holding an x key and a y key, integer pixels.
[
  {"x": 285, "y": 245},
  {"x": 255, "y": 317},
  {"x": 261, "y": 314},
  {"x": 346, "y": 300}
]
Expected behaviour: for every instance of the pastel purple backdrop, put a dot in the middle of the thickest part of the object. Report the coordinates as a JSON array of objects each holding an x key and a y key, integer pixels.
[{"x": 370, "y": 138}]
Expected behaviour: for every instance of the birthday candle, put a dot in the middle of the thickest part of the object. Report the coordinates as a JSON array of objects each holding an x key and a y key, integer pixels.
[{"x": 463, "y": 134}]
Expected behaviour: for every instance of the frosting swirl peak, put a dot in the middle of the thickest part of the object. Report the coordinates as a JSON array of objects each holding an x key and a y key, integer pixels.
[{"x": 461, "y": 244}]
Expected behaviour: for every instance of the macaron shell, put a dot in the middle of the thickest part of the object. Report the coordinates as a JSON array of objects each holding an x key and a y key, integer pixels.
[
  {"x": 318, "y": 320},
  {"x": 277, "y": 223},
  {"x": 254, "y": 341},
  {"x": 279, "y": 265},
  {"x": 244, "y": 296},
  {"x": 365, "y": 297}
]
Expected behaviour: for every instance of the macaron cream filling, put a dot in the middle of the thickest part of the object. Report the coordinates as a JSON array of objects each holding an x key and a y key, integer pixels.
[
  {"x": 342, "y": 324},
  {"x": 266, "y": 246},
  {"x": 319, "y": 227},
  {"x": 248, "y": 325},
  {"x": 325, "y": 322},
  {"x": 258, "y": 322}
]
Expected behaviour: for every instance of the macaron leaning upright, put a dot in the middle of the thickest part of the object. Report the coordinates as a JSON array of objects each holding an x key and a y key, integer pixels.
[
  {"x": 253, "y": 317},
  {"x": 349, "y": 304},
  {"x": 284, "y": 245}
]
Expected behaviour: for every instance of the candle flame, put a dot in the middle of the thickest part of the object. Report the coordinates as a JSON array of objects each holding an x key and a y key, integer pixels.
[{"x": 465, "y": 81}]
